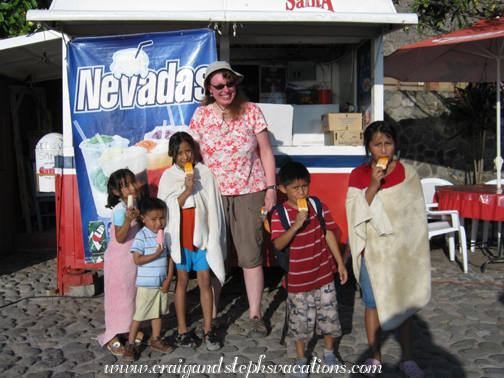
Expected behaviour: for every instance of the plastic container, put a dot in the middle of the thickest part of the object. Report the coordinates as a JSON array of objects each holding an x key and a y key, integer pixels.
[
  {"x": 302, "y": 96},
  {"x": 324, "y": 96}
]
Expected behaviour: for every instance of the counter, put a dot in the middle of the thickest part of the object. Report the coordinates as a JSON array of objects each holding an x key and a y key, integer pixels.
[{"x": 321, "y": 159}]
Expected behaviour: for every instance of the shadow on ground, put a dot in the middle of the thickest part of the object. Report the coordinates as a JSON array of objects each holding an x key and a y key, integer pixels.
[
  {"x": 17, "y": 261},
  {"x": 233, "y": 295}
]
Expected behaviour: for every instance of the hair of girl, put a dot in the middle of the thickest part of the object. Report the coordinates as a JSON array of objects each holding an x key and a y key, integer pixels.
[
  {"x": 115, "y": 182},
  {"x": 175, "y": 142},
  {"x": 378, "y": 127}
]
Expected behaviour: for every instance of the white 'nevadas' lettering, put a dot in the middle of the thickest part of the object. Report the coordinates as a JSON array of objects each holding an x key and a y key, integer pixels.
[{"x": 99, "y": 91}]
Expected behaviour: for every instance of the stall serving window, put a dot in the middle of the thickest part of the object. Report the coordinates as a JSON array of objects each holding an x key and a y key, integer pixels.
[{"x": 294, "y": 74}]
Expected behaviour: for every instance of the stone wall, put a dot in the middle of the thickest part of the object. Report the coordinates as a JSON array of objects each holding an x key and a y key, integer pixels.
[{"x": 425, "y": 137}]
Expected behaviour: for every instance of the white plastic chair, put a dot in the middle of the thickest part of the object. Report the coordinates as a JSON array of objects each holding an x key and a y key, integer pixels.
[
  {"x": 445, "y": 222},
  {"x": 429, "y": 189}
]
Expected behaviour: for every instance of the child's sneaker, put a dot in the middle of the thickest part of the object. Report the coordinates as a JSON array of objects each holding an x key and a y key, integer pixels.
[
  {"x": 211, "y": 342},
  {"x": 158, "y": 344},
  {"x": 300, "y": 369},
  {"x": 200, "y": 328},
  {"x": 331, "y": 360},
  {"x": 130, "y": 352},
  {"x": 185, "y": 340}
]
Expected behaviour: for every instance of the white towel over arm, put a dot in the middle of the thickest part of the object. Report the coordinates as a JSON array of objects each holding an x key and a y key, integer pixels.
[{"x": 210, "y": 226}]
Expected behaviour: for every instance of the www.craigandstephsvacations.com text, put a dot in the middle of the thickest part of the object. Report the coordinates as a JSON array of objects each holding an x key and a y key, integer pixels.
[{"x": 186, "y": 370}]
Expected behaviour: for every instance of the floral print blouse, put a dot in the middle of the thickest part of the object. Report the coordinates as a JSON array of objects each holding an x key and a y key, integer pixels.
[{"x": 230, "y": 149}]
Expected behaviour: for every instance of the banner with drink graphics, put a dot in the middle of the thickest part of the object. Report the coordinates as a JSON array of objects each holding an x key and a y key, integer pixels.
[{"x": 128, "y": 95}]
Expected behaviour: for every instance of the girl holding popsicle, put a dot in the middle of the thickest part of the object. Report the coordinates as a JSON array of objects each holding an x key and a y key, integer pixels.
[
  {"x": 195, "y": 232},
  {"x": 119, "y": 268},
  {"x": 391, "y": 262}
]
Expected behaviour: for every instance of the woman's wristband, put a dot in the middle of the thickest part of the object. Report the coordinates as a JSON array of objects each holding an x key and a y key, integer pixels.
[{"x": 274, "y": 187}]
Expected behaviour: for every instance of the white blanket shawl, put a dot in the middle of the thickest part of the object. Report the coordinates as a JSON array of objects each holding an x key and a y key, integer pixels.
[
  {"x": 393, "y": 230},
  {"x": 210, "y": 226}
]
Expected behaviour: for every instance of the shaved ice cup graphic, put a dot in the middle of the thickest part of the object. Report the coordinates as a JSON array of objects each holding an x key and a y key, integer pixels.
[
  {"x": 132, "y": 158},
  {"x": 158, "y": 161},
  {"x": 92, "y": 149},
  {"x": 130, "y": 62}
]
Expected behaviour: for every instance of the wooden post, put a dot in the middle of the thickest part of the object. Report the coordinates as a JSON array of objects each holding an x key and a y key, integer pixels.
[
  {"x": 23, "y": 192},
  {"x": 17, "y": 94}
]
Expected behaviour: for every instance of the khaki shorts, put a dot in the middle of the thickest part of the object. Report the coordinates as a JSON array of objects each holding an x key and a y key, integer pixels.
[
  {"x": 150, "y": 304},
  {"x": 242, "y": 213},
  {"x": 317, "y": 310}
]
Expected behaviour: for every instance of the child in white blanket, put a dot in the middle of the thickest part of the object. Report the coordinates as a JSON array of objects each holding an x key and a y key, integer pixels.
[{"x": 195, "y": 233}]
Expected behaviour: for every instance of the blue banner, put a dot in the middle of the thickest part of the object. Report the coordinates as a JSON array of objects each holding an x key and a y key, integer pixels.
[{"x": 128, "y": 95}]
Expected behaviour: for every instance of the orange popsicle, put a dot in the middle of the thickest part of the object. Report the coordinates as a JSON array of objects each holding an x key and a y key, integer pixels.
[
  {"x": 267, "y": 226},
  {"x": 265, "y": 219},
  {"x": 302, "y": 205},
  {"x": 189, "y": 169},
  {"x": 382, "y": 162}
]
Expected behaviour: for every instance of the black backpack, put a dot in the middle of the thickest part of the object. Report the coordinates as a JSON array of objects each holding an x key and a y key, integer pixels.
[{"x": 283, "y": 255}]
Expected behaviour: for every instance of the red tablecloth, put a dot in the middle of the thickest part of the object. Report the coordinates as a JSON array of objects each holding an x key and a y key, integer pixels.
[{"x": 472, "y": 201}]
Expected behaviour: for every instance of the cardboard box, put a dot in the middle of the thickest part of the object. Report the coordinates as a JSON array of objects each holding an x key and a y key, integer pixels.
[
  {"x": 343, "y": 138},
  {"x": 341, "y": 122}
]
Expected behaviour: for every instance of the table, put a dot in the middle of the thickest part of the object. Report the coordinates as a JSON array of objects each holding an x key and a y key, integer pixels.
[{"x": 476, "y": 202}]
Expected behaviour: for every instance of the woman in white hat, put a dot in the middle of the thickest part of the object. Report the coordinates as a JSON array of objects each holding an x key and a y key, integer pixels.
[{"x": 234, "y": 143}]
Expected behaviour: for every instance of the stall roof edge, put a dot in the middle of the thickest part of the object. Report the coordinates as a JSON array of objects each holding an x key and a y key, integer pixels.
[
  {"x": 194, "y": 14},
  {"x": 88, "y": 22},
  {"x": 32, "y": 58},
  {"x": 262, "y": 22}
]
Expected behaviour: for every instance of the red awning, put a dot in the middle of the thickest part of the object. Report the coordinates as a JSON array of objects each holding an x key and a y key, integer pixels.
[{"x": 467, "y": 55}]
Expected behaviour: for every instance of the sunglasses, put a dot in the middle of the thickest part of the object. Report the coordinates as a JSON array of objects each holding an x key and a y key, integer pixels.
[{"x": 219, "y": 87}]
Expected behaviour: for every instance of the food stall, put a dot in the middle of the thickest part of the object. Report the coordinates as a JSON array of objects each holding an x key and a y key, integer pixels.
[{"x": 300, "y": 48}]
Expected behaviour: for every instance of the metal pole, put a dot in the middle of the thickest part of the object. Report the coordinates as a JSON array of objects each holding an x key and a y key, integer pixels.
[{"x": 498, "y": 159}]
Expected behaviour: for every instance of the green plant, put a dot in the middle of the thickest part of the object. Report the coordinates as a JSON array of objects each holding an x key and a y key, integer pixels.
[
  {"x": 474, "y": 110},
  {"x": 447, "y": 15},
  {"x": 13, "y": 18}
]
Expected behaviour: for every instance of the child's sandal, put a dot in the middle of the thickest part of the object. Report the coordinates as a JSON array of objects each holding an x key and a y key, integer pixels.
[
  {"x": 411, "y": 369},
  {"x": 116, "y": 348},
  {"x": 371, "y": 368}
]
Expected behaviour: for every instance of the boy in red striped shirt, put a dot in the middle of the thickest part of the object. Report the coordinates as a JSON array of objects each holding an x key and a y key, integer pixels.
[{"x": 311, "y": 288}]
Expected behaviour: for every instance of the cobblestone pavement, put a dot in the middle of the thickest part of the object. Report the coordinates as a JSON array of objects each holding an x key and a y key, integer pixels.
[{"x": 459, "y": 334}]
